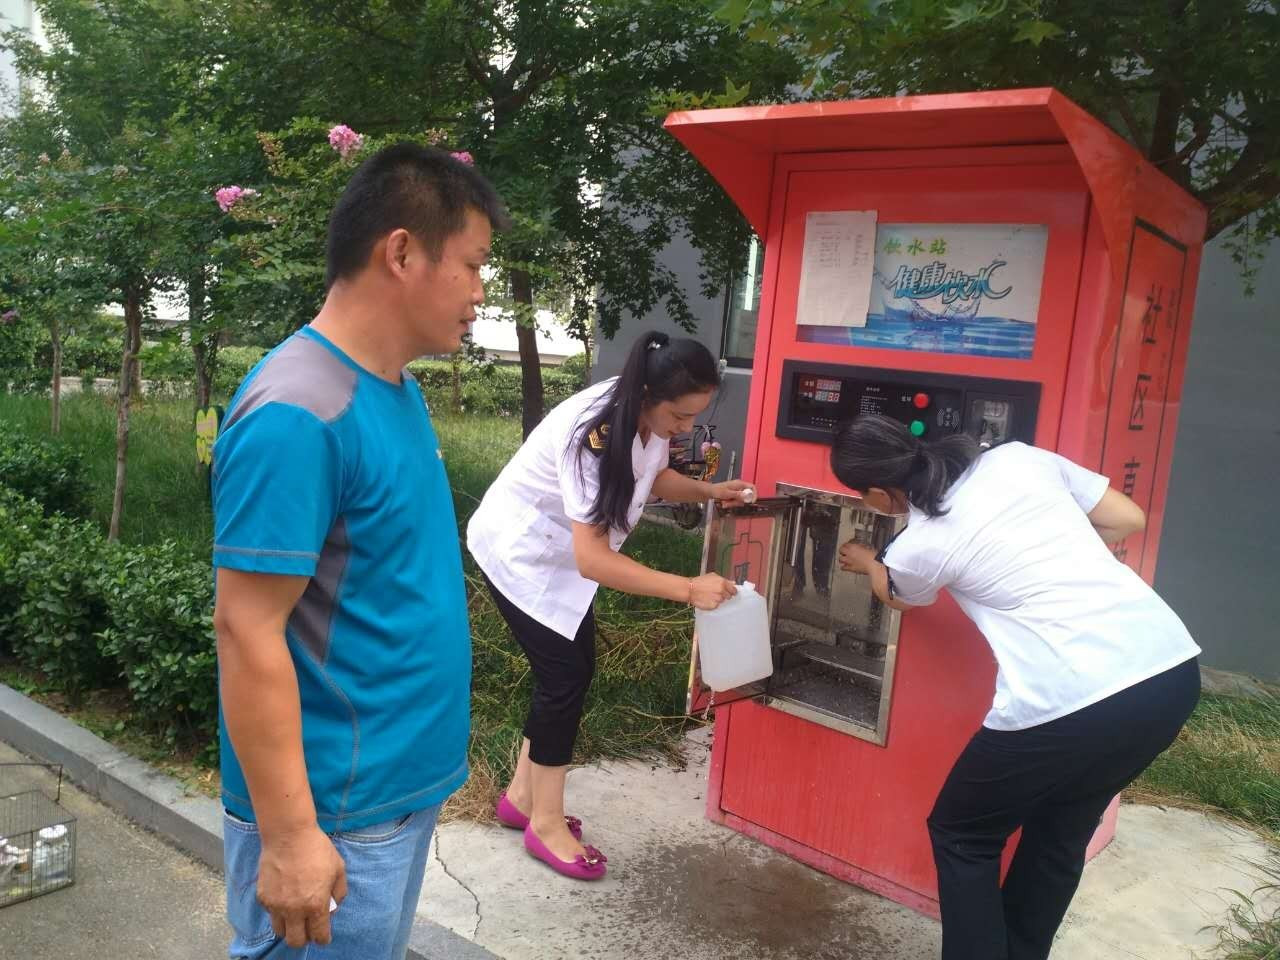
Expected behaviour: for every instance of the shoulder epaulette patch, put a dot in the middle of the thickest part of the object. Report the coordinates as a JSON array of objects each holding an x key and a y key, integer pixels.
[{"x": 596, "y": 438}]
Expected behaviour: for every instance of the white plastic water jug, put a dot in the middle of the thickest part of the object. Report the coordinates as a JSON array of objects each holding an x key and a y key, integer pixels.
[{"x": 733, "y": 640}]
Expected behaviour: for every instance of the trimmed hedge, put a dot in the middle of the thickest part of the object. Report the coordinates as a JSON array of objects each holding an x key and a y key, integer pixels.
[
  {"x": 88, "y": 613},
  {"x": 160, "y": 637},
  {"x": 60, "y": 577},
  {"x": 20, "y": 522},
  {"x": 48, "y": 472},
  {"x": 492, "y": 389}
]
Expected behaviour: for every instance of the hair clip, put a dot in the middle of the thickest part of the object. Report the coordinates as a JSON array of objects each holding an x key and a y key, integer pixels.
[{"x": 654, "y": 345}]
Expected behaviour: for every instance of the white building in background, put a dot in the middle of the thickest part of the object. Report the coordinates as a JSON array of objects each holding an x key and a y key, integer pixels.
[
  {"x": 497, "y": 337},
  {"x": 23, "y": 15}
]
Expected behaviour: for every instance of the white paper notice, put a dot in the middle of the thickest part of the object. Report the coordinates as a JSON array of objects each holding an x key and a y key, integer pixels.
[{"x": 836, "y": 269}]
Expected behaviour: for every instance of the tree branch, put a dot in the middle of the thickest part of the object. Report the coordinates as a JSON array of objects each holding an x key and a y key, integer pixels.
[
  {"x": 1251, "y": 195},
  {"x": 1232, "y": 121},
  {"x": 359, "y": 27},
  {"x": 518, "y": 98},
  {"x": 1163, "y": 149},
  {"x": 476, "y": 68},
  {"x": 1202, "y": 130},
  {"x": 1122, "y": 107},
  {"x": 1248, "y": 165}
]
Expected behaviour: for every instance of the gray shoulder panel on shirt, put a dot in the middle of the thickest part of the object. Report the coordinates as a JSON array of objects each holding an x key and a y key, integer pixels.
[{"x": 304, "y": 373}]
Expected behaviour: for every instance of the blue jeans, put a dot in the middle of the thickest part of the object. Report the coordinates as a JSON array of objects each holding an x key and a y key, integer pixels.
[{"x": 385, "y": 864}]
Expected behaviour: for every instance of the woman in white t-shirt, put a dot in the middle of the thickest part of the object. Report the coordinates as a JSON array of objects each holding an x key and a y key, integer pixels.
[
  {"x": 1096, "y": 675},
  {"x": 547, "y": 534}
]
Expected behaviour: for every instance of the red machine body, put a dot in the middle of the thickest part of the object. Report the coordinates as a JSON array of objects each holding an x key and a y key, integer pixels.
[{"x": 1095, "y": 373}]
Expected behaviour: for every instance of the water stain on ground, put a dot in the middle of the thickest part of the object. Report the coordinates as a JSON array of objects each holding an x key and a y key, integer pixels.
[{"x": 733, "y": 903}]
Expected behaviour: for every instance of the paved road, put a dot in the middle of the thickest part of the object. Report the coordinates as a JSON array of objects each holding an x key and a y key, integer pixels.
[{"x": 134, "y": 895}]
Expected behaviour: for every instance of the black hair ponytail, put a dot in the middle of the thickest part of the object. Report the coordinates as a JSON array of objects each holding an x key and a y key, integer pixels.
[
  {"x": 878, "y": 451},
  {"x": 657, "y": 369}
]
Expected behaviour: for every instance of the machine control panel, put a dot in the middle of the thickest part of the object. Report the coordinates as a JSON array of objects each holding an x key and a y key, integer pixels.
[{"x": 817, "y": 397}]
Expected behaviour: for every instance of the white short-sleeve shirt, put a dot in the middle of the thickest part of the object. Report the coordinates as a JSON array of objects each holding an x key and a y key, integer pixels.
[
  {"x": 521, "y": 535},
  {"x": 1069, "y": 624}
]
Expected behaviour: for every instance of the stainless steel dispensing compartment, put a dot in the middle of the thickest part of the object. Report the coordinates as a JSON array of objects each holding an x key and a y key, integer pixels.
[{"x": 834, "y": 643}]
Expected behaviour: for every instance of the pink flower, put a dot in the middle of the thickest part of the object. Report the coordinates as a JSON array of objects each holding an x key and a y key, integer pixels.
[
  {"x": 345, "y": 140},
  {"x": 44, "y": 159},
  {"x": 9, "y": 317},
  {"x": 463, "y": 157},
  {"x": 228, "y": 197}
]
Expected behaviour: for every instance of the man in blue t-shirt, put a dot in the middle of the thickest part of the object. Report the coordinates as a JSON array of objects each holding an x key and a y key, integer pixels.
[{"x": 344, "y": 651}]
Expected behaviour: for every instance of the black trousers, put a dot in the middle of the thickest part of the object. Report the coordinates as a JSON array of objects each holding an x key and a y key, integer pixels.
[
  {"x": 562, "y": 672},
  {"x": 1055, "y": 782},
  {"x": 824, "y": 538}
]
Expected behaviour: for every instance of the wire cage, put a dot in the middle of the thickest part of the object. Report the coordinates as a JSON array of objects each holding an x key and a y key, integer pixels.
[{"x": 37, "y": 846}]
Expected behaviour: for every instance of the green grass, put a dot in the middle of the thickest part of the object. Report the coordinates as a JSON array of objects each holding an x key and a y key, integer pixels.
[
  {"x": 1252, "y": 929},
  {"x": 106, "y": 714},
  {"x": 1227, "y": 759},
  {"x": 636, "y": 704},
  {"x": 165, "y": 495}
]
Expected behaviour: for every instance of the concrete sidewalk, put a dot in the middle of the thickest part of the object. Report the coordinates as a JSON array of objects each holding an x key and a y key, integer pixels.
[
  {"x": 134, "y": 896},
  {"x": 678, "y": 886},
  {"x": 682, "y": 887}
]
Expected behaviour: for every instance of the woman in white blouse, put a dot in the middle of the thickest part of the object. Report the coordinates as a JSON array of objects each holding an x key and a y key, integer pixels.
[
  {"x": 1096, "y": 675},
  {"x": 548, "y": 533}
]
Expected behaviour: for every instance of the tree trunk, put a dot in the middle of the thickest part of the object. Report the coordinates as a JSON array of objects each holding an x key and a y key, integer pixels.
[
  {"x": 203, "y": 352},
  {"x": 456, "y": 362},
  {"x": 128, "y": 375},
  {"x": 135, "y": 389},
  {"x": 530, "y": 364},
  {"x": 55, "y": 409},
  {"x": 204, "y": 389}
]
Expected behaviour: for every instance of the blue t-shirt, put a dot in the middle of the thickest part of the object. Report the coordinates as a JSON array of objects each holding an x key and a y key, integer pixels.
[{"x": 326, "y": 471}]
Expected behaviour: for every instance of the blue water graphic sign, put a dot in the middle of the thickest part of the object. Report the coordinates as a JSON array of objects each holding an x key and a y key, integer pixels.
[{"x": 971, "y": 289}]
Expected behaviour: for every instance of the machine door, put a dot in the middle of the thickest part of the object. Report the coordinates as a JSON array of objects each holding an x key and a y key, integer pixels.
[
  {"x": 744, "y": 543},
  {"x": 834, "y": 643}
]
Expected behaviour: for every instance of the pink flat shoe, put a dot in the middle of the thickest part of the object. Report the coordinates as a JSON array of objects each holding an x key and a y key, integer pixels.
[
  {"x": 588, "y": 867},
  {"x": 509, "y": 816}
]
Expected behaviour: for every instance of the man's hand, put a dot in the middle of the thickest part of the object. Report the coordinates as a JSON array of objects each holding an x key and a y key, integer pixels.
[
  {"x": 297, "y": 874},
  {"x": 733, "y": 493},
  {"x": 857, "y": 558},
  {"x": 299, "y": 869}
]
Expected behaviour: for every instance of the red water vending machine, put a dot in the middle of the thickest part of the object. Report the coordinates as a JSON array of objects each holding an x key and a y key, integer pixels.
[{"x": 997, "y": 263}]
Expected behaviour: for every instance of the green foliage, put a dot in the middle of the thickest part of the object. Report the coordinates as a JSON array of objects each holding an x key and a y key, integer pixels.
[
  {"x": 87, "y": 613},
  {"x": 167, "y": 497},
  {"x": 1228, "y": 758},
  {"x": 576, "y": 367},
  {"x": 1194, "y": 86},
  {"x": 234, "y": 364},
  {"x": 61, "y": 602},
  {"x": 48, "y": 472},
  {"x": 90, "y": 347},
  {"x": 159, "y": 635},
  {"x": 166, "y": 361},
  {"x": 488, "y": 389},
  {"x": 20, "y": 522},
  {"x": 19, "y": 341}
]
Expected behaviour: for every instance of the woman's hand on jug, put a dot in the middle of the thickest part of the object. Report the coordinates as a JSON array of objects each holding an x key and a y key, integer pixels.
[
  {"x": 856, "y": 557},
  {"x": 710, "y": 590}
]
